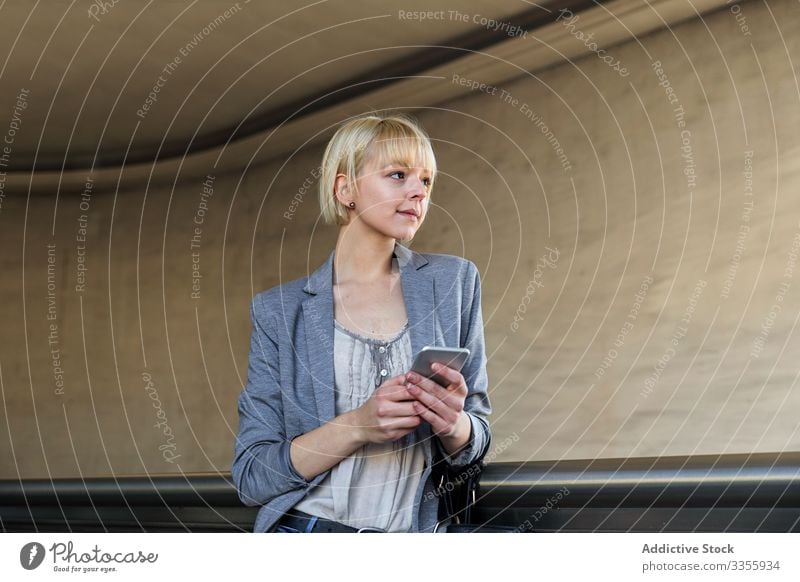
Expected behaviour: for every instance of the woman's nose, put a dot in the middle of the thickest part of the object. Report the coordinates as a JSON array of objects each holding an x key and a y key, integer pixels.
[{"x": 417, "y": 187}]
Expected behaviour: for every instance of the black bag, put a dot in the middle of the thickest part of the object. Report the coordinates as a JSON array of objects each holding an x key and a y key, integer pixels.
[{"x": 456, "y": 488}]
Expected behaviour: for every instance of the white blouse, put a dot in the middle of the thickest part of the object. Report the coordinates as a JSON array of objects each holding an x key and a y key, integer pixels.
[{"x": 375, "y": 486}]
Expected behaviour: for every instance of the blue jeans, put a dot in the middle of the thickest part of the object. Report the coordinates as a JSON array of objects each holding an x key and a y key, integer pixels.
[{"x": 286, "y": 529}]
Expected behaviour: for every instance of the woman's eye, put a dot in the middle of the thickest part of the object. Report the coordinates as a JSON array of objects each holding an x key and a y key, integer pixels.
[{"x": 426, "y": 181}]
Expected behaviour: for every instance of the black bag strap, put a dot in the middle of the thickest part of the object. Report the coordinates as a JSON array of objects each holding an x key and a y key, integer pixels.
[{"x": 456, "y": 486}]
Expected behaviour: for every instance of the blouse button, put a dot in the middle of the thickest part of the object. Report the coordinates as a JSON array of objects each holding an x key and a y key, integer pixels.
[
  {"x": 382, "y": 349},
  {"x": 384, "y": 372}
]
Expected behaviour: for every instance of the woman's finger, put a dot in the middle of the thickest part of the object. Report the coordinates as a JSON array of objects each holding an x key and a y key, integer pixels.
[
  {"x": 395, "y": 381},
  {"x": 434, "y": 403},
  {"x": 401, "y": 422},
  {"x": 401, "y": 408},
  {"x": 427, "y": 383},
  {"x": 454, "y": 399},
  {"x": 458, "y": 387},
  {"x": 395, "y": 393},
  {"x": 438, "y": 425},
  {"x": 452, "y": 375},
  {"x": 455, "y": 378}
]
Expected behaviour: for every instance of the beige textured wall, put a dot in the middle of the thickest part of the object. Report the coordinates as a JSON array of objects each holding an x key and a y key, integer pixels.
[{"x": 686, "y": 267}]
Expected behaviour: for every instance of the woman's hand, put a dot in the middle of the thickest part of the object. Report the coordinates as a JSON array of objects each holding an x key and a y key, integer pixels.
[
  {"x": 389, "y": 413},
  {"x": 441, "y": 406}
]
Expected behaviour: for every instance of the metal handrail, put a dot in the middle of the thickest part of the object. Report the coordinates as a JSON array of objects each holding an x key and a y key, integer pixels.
[{"x": 740, "y": 492}]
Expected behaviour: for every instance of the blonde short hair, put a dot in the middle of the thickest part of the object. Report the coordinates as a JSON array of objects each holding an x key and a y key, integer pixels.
[{"x": 392, "y": 137}]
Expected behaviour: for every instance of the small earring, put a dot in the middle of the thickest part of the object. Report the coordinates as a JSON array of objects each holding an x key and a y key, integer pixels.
[{"x": 352, "y": 205}]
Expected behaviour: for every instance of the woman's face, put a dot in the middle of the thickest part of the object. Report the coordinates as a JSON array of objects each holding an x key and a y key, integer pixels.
[{"x": 392, "y": 198}]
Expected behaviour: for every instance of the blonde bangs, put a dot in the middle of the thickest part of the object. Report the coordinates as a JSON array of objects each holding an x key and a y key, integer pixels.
[{"x": 398, "y": 145}]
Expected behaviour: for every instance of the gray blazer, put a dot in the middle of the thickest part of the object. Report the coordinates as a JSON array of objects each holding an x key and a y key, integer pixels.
[{"x": 290, "y": 378}]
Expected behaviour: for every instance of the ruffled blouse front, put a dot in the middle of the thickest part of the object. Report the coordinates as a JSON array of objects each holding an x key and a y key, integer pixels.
[{"x": 375, "y": 486}]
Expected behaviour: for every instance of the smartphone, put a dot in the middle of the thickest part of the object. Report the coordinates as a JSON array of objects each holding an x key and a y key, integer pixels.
[{"x": 452, "y": 357}]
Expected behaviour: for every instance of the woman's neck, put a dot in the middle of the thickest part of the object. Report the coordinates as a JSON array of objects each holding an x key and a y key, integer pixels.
[{"x": 361, "y": 259}]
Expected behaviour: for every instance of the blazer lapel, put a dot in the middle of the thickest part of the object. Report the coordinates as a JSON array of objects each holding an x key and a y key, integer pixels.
[
  {"x": 419, "y": 296},
  {"x": 318, "y": 314},
  {"x": 318, "y": 318}
]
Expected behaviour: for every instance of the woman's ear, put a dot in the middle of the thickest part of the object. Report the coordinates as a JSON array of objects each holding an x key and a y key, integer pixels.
[{"x": 341, "y": 189}]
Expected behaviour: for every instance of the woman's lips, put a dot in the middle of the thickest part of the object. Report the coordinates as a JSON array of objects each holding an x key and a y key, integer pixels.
[{"x": 410, "y": 215}]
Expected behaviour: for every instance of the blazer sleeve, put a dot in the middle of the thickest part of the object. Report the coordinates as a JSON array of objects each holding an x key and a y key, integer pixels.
[
  {"x": 476, "y": 404},
  {"x": 262, "y": 468}
]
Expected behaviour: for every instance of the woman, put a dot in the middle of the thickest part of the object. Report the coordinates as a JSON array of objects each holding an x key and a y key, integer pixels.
[{"x": 335, "y": 432}]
